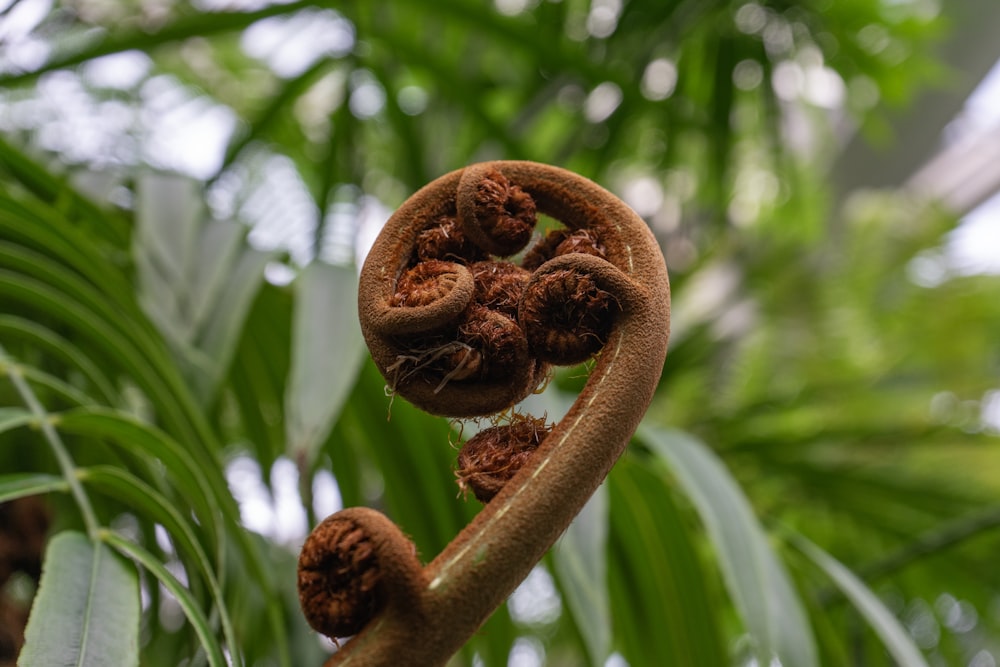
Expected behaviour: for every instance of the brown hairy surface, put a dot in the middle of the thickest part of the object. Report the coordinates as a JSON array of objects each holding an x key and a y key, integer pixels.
[{"x": 596, "y": 288}]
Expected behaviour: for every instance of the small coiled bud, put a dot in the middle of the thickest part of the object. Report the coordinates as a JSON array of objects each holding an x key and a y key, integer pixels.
[
  {"x": 498, "y": 339},
  {"x": 566, "y": 316},
  {"x": 488, "y": 460},
  {"x": 446, "y": 240},
  {"x": 479, "y": 367},
  {"x": 496, "y": 215},
  {"x": 339, "y": 578},
  {"x": 499, "y": 286},
  {"x": 355, "y": 565},
  {"x": 425, "y": 283},
  {"x": 560, "y": 242},
  {"x": 425, "y": 298}
]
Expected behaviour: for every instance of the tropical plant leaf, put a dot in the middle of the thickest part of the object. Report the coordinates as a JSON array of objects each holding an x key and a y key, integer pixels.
[
  {"x": 580, "y": 561},
  {"x": 166, "y": 245},
  {"x": 220, "y": 336},
  {"x": 64, "y": 255},
  {"x": 148, "y": 368},
  {"x": 56, "y": 386},
  {"x": 197, "y": 278},
  {"x": 12, "y": 418},
  {"x": 192, "y": 610},
  {"x": 260, "y": 370},
  {"x": 761, "y": 589},
  {"x": 50, "y": 187},
  {"x": 152, "y": 505},
  {"x": 143, "y": 498},
  {"x": 22, "y": 485},
  {"x": 204, "y": 487},
  {"x": 666, "y": 604},
  {"x": 266, "y": 118},
  {"x": 128, "y": 38},
  {"x": 897, "y": 641},
  {"x": 327, "y": 352},
  {"x": 41, "y": 337},
  {"x": 67, "y": 281},
  {"x": 86, "y": 612}
]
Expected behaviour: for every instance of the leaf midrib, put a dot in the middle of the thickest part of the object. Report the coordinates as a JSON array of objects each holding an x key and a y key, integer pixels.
[{"x": 92, "y": 587}]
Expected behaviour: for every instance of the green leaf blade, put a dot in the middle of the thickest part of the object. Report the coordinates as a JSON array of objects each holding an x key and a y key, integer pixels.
[
  {"x": 581, "y": 563},
  {"x": 12, "y": 418},
  {"x": 131, "y": 490},
  {"x": 190, "y": 607},
  {"x": 21, "y": 329},
  {"x": 897, "y": 641},
  {"x": 203, "y": 487},
  {"x": 21, "y": 485},
  {"x": 327, "y": 353},
  {"x": 87, "y": 611},
  {"x": 656, "y": 577},
  {"x": 756, "y": 579}
]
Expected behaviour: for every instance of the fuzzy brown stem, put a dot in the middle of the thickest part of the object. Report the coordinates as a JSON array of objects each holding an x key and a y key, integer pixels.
[{"x": 464, "y": 584}]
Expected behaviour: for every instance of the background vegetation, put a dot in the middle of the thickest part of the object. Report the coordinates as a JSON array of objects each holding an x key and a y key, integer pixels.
[{"x": 187, "y": 188}]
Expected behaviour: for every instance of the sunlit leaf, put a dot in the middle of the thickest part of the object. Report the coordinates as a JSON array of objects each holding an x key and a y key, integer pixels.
[
  {"x": 220, "y": 336},
  {"x": 167, "y": 240},
  {"x": 197, "y": 278}
]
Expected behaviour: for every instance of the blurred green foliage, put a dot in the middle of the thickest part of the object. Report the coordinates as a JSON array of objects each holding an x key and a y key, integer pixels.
[{"x": 841, "y": 377}]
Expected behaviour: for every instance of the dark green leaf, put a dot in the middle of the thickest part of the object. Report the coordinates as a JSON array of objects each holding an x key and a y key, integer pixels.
[
  {"x": 205, "y": 489},
  {"x": 12, "y": 418},
  {"x": 50, "y": 341}
]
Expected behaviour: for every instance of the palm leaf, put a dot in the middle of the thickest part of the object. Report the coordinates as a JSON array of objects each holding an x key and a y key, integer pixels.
[
  {"x": 756, "y": 579},
  {"x": 897, "y": 641}
]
